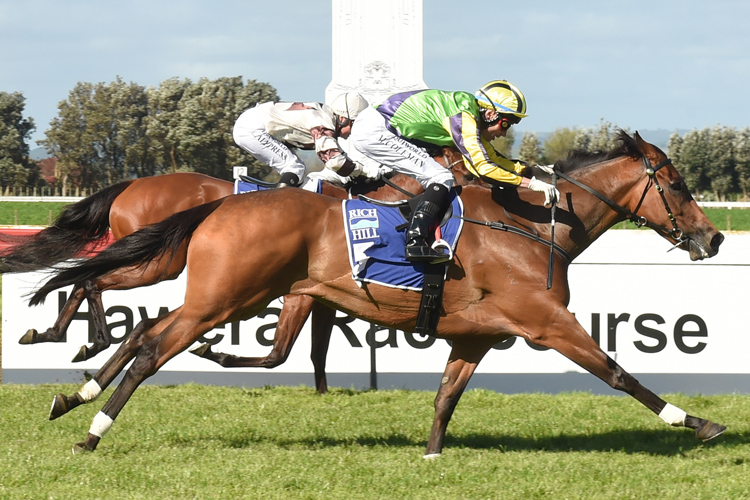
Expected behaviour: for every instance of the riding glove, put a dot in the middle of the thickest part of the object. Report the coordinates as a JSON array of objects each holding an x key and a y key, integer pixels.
[
  {"x": 547, "y": 169},
  {"x": 369, "y": 170},
  {"x": 551, "y": 194}
]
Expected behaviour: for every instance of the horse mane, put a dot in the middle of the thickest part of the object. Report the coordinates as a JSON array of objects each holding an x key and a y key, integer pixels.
[{"x": 579, "y": 158}]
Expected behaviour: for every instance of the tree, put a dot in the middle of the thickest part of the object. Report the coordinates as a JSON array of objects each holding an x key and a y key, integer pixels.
[
  {"x": 603, "y": 138},
  {"x": 530, "y": 150},
  {"x": 720, "y": 168},
  {"x": 99, "y": 136},
  {"x": 504, "y": 145},
  {"x": 191, "y": 124},
  {"x": 694, "y": 156},
  {"x": 105, "y": 133},
  {"x": 558, "y": 144},
  {"x": 16, "y": 169},
  {"x": 742, "y": 160},
  {"x": 674, "y": 147}
]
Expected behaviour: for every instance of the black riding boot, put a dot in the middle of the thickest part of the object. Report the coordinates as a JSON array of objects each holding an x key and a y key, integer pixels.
[
  {"x": 433, "y": 205},
  {"x": 288, "y": 179}
]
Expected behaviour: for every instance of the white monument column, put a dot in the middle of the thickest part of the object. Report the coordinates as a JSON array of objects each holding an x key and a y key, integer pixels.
[{"x": 377, "y": 48}]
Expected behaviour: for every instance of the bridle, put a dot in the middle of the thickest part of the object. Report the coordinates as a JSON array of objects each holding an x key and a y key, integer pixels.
[{"x": 639, "y": 220}]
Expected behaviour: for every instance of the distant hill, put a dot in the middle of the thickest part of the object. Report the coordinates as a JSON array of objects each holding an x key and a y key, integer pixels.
[{"x": 38, "y": 154}]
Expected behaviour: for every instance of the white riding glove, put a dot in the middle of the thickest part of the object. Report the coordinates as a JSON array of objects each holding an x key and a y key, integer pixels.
[
  {"x": 551, "y": 194},
  {"x": 367, "y": 169},
  {"x": 547, "y": 169}
]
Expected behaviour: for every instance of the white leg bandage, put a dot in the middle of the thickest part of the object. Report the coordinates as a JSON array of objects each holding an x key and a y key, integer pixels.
[
  {"x": 673, "y": 415},
  {"x": 101, "y": 424},
  {"x": 90, "y": 391}
]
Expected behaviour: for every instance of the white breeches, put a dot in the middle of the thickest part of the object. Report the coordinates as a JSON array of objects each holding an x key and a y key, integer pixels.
[
  {"x": 250, "y": 134},
  {"x": 373, "y": 139}
]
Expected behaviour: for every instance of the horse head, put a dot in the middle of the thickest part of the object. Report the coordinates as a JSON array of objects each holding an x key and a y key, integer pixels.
[
  {"x": 669, "y": 208},
  {"x": 635, "y": 181}
]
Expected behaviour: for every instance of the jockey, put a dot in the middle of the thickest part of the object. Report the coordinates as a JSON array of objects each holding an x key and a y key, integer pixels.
[
  {"x": 395, "y": 132},
  {"x": 270, "y": 129}
]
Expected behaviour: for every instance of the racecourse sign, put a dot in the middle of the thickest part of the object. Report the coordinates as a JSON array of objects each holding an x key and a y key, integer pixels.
[{"x": 676, "y": 325}]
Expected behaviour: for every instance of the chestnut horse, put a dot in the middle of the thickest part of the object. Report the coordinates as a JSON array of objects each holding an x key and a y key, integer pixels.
[
  {"x": 244, "y": 251},
  {"x": 131, "y": 205},
  {"x": 124, "y": 207}
]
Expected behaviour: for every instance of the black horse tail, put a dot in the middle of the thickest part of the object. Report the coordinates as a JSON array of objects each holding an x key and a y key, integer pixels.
[
  {"x": 77, "y": 226},
  {"x": 137, "y": 249}
]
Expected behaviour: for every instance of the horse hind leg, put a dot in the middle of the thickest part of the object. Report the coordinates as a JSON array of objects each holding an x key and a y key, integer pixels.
[
  {"x": 102, "y": 337},
  {"x": 57, "y": 332},
  {"x": 62, "y": 404},
  {"x": 175, "y": 338}
]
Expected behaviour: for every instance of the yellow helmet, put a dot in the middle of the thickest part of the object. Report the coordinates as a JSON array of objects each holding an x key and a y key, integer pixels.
[{"x": 503, "y": 97}]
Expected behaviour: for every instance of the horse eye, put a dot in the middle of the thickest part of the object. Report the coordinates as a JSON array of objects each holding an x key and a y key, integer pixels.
[{"x": 676, "y": 186}]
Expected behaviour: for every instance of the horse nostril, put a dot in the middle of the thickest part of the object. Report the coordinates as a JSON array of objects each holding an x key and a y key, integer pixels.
[{"x": 716, "y": 241}]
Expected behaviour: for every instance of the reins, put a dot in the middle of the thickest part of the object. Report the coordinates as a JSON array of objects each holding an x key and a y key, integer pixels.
[
  {"x": 501, "y": 226},
  {"x": 633, "y": 216}
]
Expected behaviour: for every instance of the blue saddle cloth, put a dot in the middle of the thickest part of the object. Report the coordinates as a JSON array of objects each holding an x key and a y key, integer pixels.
[
  {"x": 376, "y": 248},
  {"x": 241, "y": 187}
]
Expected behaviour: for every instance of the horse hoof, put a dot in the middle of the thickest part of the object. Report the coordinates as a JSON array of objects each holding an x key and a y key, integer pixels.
[
  {"x": 201, "y": 350},
  {"x": 83, "y": 355},
  {"x": 709, "y": 430},
  {"x": 81, "y": 448},
  {"x": 29, "y": 337},
  {"x": 432, "y": 456},
  {"x": 59, "y": 406}
]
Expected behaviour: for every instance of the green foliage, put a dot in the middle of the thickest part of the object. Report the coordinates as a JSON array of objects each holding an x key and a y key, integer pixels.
[
  {"x": 530, "y": 150},
  {"x": 558, "y": 144},
  {"x": 742, "y": 161},
  {"x": 16, "y": 170},
  {"x": 195, "y": 441},
  {"x": 108, "y": 132},
  {"x": 504, "y": 145}
]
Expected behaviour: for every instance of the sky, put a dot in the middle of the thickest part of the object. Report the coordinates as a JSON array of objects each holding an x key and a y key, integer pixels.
[{"x": 641, "y": 65}]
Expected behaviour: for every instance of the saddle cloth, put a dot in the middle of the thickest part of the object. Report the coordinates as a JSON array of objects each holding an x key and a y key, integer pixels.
[
  {"x": 376, "y": 247},
  {"x": 241, "y": 187}
]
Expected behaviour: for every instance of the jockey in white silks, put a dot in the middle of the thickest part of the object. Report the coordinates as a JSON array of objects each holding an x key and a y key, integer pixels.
[{"x": 270, "y": 130}]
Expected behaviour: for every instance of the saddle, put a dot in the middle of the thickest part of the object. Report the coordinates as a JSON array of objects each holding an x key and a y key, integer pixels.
[{"x": 434, "y": 273}]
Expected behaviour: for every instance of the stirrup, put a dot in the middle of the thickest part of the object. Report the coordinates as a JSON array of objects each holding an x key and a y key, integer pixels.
[
  {"x": 424, "y": 253},
  {"x": 445, "y": 257}
]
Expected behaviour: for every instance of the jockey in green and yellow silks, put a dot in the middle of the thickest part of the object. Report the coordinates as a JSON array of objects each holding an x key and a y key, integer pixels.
[
  {"x": 394, "y": 133},
  {"x": 451, "y": 119}
]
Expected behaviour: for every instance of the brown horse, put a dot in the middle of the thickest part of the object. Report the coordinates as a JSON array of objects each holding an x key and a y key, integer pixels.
[
  {"x": 495, "y": 285},
  {"x": 131, "y": 205},
  {"x": 124, "y": 207}
]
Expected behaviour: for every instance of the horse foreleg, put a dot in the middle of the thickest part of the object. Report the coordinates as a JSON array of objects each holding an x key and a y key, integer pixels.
[
  {"x": 572, "y": 341},
  {"x": 323, "y": 318},
  {"x": 462, "y": 362},
  {"x": 62, "y": 404},
  {"x": 102, "y": 337},
  {"x": 177, "y": 337},
  {"x": 57, "y": 332}
]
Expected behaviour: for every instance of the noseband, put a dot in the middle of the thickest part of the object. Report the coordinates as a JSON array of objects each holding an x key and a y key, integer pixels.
[{"x": 639, "y": 220}]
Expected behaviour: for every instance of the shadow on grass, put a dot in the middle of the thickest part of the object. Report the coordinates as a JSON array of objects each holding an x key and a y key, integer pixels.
[{"x": 667, "y": 442}]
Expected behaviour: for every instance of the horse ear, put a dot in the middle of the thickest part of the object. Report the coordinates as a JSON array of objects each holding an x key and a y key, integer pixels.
[
  {"x": 639, "y": 140},
  {"x": 644, "y": 147}
]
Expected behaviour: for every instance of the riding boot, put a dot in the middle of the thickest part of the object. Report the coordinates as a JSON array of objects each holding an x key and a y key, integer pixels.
[
  {"x": 288, "y": 179},
  {"x": 425, "y": 217}
]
